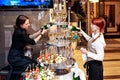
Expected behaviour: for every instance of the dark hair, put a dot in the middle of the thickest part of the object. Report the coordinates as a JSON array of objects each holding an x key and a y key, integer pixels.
[
  {"x": 20, "y": 20},
  {"x": 100, "y": 22}
]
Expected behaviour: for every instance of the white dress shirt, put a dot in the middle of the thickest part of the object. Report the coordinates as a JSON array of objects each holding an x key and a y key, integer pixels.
[{"x": 99, "y": 45}]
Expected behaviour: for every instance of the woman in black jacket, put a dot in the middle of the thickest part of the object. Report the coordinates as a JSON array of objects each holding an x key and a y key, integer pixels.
[{"x": 20, "y": 39}]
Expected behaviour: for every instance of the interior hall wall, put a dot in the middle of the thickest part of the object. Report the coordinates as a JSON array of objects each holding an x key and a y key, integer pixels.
[
  {"x": 117, "y": 11},
  {"x": 7, "y": 20}
]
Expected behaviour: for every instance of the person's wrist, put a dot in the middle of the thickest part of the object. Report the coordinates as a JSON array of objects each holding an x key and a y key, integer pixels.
[
  {"x": 86, "y": 52},
  {"x": 41, "y": 35}
]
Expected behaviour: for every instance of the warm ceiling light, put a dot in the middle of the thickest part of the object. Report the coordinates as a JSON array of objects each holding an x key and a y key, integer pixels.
[{"x": 94, "y": 1}]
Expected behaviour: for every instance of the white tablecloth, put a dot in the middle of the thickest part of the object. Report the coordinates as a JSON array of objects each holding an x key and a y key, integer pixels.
[{"x": 69, "y": 76}]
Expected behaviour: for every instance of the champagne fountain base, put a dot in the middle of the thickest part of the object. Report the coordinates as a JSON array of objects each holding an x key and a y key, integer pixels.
[
  {"x": 61, "y": 71},
  {"x": 68, "y": 76}
]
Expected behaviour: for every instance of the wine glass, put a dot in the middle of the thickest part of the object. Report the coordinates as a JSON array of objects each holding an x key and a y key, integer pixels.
[{"x": 64, "y": 16}]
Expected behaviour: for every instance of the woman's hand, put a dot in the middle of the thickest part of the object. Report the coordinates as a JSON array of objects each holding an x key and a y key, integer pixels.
[
  {"x": 42, "y": 34},
  {"x": 83, "y": 50},
  {"x": 44, "y": 31},
  {"x": 40, "y": 30},
  {"x": 81, "y": 32},
  {"x": 37, "y": 33}
]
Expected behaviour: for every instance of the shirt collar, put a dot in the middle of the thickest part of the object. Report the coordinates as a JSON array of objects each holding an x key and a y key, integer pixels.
[{"x": 95, "y": 35}]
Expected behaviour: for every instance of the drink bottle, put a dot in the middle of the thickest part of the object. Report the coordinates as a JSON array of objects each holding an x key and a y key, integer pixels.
[
  {"x": 74, "y": 29},
  {"x": 45, "y": 27}
]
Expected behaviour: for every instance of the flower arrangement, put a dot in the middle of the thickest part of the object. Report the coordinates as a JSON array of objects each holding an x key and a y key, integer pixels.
[{"x": 39, "y": 73}]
